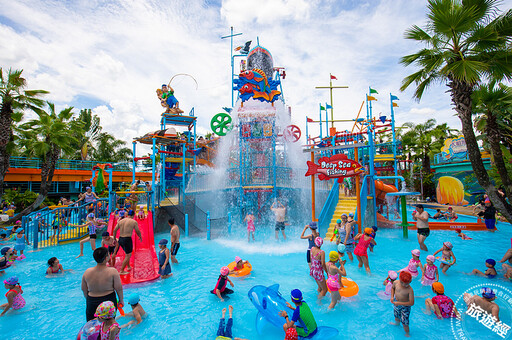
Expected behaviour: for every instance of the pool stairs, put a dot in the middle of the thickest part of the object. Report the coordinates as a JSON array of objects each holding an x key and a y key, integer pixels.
[{"x": 345, "y": 205}]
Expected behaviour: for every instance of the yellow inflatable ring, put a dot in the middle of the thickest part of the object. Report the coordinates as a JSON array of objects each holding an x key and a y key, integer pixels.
[
  {"x": 350, "y": 287},
  {"x": 246, "y": 270}
]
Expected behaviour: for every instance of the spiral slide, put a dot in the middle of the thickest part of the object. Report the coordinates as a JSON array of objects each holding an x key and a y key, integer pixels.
[{"x": 144, "y": 261}]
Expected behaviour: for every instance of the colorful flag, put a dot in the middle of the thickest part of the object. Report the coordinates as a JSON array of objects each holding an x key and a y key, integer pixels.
[
  {"x": 333, "y": 77},
  {"x": 394, "y": 98},
  {"x": 328, "y": 106},
  {"x": 373, "y": 91},
  {"x": 309, "y": 120},
  {"x": 395, "y": 105},
  {"x": 369, "y": 98},
  {"x": 322, "y": 108}
]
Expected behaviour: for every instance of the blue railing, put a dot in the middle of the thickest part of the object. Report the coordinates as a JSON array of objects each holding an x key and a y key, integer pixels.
[
  {"x": 328, "y": 209},
  {"x": 65, "y": 164}
]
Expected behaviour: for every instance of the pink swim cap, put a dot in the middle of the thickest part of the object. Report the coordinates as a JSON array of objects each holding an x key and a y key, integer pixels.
[
  {"x": 415, "y": 252},
  {"x": 392, "y": 275},
  {"x": 448, "y": 245},
  {"x": 224, "y": 271},
  {"x": 319, "y": 241},
  {"x": 238, "y": 259},
  {"x": 431, "y": 258}
]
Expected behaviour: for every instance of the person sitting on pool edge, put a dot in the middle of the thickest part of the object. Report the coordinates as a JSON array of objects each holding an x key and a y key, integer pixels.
[
  {"x": 220, "y": 288},
  {"x": 137, "y": 311},
  {"x": 302, "y": 318}
]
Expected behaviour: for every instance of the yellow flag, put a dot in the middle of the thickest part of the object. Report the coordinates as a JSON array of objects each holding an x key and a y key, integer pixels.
[
  {"x": 371, "y": 98},
  {"x": 395, "y": 105}
]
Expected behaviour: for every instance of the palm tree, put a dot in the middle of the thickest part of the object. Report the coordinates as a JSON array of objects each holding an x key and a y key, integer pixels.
[
  {"x": 14, "y": 100},
  {"x": 110, "y": 149},
  {"x": 466, "y": 43},
  {"x": 494, "y": 102},
  {"x": 45, "y": 138},
  {"x": 86, "y": 138}
]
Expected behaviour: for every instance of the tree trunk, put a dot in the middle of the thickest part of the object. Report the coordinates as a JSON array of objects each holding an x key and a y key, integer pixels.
[
  {"x": 5, "y": 138},
  {"x": 494, "y": 137},
  {"x": 461, "y": 99}
]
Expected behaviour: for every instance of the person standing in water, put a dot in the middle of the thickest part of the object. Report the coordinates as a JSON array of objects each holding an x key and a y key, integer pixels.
[
  {"x": 346, "y": 233},
  {"x": 249, "y": 218},
  {"x": 421, "y": 218},
  {"x": 311, "y": 239},
  {"x": 126, "y": 227},
  {"x": 175, "y": 239},
  {"x": 279, "y": 211}
]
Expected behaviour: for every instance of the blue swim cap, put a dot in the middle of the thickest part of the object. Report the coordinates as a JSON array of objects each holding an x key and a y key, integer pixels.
[
  {"x": 491, "y": 262},
  {"x": 121, "y": 213},
  {"x": 338, "y": 221},
  {"x": 133, "y": 299},
  {"x": 488, "y": 293},
  {"x": 296, "y": 295},
  {"x": 375, "y": 228},
  {"x": 91, "y": 215},
  {"x": 163, "y": 241},
  {"x": 312, "y": 225},
  {"x": 4, "y": 250},
  {"x": 343, "y": 215},
  {"x": 351, "y": 215}
]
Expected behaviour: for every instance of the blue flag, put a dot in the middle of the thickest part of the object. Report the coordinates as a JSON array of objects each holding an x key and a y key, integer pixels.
[
  {"x": 328, "y": 106},
  {"x": 394, "y": 98}
]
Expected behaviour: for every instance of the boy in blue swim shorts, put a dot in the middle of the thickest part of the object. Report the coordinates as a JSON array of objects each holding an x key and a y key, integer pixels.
[{"x": 402, "y": 298}]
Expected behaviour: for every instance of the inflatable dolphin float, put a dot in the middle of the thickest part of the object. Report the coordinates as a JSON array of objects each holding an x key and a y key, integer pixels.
[{"x": 269, "y": 302}]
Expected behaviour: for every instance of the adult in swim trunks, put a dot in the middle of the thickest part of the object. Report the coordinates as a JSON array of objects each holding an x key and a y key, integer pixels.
[
  {"x": 421, "y": 218},
  {"x": 175, "y": 239},
  {"x": 101, "y": 283},
  {"x": 126, "y": 227},
  {"x": 279, "y": 211}
]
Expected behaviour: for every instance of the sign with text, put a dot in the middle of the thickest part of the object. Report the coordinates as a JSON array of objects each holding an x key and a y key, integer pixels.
[
  {"x": 336, "y": 166},
  {"x": 454, "y": 148}
]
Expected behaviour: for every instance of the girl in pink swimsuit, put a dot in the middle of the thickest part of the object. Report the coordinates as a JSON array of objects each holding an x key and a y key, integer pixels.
[
  {"x": 334, "y": 278},
  {"x": 106, "y": 313},
  {"x": 362, "y": 247},
  {"x": 318, "y": 267},
  {"x": 388, "y": 282},
  {"x": 430, "y": 273},
  {"x": 250, "y": 226},
  {"x": 14, "y": 298},
  {"x": 414, "y": 264}
]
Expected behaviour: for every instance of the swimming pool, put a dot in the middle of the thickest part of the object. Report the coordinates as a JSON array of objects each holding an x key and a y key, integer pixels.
[{"x": 181, "y": 307}]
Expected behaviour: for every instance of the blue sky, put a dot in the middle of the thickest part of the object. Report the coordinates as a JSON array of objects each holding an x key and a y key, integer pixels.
[{"x": 111, "y": 56}]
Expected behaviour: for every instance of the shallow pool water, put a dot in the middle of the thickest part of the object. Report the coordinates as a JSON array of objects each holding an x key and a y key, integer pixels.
[{"x": 182, "y": 307}]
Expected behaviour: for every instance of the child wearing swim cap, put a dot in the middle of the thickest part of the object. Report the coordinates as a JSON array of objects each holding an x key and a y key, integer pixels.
[
  {"x": 165, "y": 270},
  {"x": 239, "y": 264},
  {"x": 402, "y": 298},
  {"x": 372, "y": 235},
  {"x": 106, "y": 314},
  {"x": 446, "y": 258},
  {"x": 430, "y": 272},
  {"x": 302, "y": 312},
  {"x": 334, "y": 278},
  {"x": 14, "y": 298},
  {"x": 414, "y": 263},
  {"x": 362, "y": 247},
  {"x": 318, "y": 267},
  {"x": 490, "y": 272},
  {"x": 220, "y": 288},
  {"x": 486, "y": 302},
  {"x": 341, "y": 252},
  {"x": 311, "y": 239},
  {"x": 388, "y": 282},
  {"x": 462, "y": 235},
  {"x": 137, "y": 311},
  {"x": 442, "y": 306}
]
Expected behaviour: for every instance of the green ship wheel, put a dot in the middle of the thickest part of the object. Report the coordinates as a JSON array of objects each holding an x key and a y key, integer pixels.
[{"x": 221, "y": 124}]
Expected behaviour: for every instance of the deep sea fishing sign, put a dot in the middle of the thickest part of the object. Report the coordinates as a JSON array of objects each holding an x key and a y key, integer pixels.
[{"x": 335, "y": 166}]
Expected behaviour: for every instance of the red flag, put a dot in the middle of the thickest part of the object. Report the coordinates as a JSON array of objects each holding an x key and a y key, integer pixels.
[
  {"x": 333, "y": 77},
  {"x": 310, "y": 120}
]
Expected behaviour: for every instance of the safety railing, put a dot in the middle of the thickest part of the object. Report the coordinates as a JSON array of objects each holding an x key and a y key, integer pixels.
[{"x": 68, "y": 164}]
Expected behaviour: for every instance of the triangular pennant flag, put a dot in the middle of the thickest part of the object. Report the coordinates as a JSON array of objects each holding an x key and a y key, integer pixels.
[
  {"x": 373, "y": 91},
  {"x": 322, "y": 108},
  {"x": 395, "y": 105},
  {"x": 370, "y": 98},
  {"x": 333, "y": 77},
  {"x": 394, "y": 98},
  {"x": 382, "y": 119},
  {"x": 309, "y": 120},
  {"x": 328, "y": 106}
]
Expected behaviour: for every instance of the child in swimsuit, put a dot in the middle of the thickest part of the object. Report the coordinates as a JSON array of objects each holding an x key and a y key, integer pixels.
[
  {"x": 163, "y": 259},
  {"x": 341, "y": 253},
  {"x": 462, "y": 235},
  {"x": 490, "y": 272},
  {"x": 249, "y": 218},
  {"x": 318, "y": 267},
  {"x": 21, "y": 238},
  {"x": 388, "y": 282},
  {"x": 4, "y": 259},
  {"x": 311, "y": 239},
  {"x": 239, "y": 264},
  {"x": 402, "y": 298},
  {"x": 137, "y": 311},
  {"x": 334, "y": 278},
  {"x": 111, "y": 244},
  {"x": 372, "y": 235},
  {"x": 54, "y": 266},
  {"x": 430, "y": 273},
  {"x": 14, "y": 298},
  {"x": 361, "y": 249},
  {"x": 220, "y": 288},
  {"x": 446, "y": 258},
  {"x": 106, "y": 314},
  {"x": 442, "y": 306},
  {"x": 140, "y": 214},
  {"x": 414, "y": 263}
]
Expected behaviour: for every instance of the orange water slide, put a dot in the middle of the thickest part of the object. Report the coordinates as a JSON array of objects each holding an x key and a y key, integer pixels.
[
  {"x": 201, "y": 161},
  {"x": 381, "y": 189}
]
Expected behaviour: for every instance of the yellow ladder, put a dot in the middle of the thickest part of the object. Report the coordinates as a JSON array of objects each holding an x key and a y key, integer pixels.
[{"x": 345, "y": 205}]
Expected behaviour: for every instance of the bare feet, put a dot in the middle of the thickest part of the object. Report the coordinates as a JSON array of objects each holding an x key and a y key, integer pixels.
[
  {"x": 223, "y": 313},
  {"x": 123, "y": 273},
  {"x": 395, "y": 323},
  {"x": 79, "y": 256},
  {"x": 128, "y": 268}
]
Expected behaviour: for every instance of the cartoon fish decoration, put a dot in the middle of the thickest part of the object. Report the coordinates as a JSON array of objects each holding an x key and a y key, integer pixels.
[{"x": 336, "y": 166}]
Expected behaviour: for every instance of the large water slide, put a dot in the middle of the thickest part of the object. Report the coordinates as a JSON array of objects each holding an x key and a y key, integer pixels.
[{"x": 144, "y": 261}]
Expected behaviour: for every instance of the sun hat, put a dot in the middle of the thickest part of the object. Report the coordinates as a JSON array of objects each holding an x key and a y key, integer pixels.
[
  {"x": 13, "y": 280},
  {"x": 438, "y": 287},
  {"x": 238, "y": 259},
  {"x": 488, "y": 293},
  {"x": 318, "y": 242},
  {"x": 405, "y": 277},
  {"x": 392, "y": 275},
  {"x": 291, "y": 334},
  {"x": 334, "y": 256},
  {"x": 296, "y": 295},
  {"x": 338, "y": 221},
  {"x": 491, "y": 262},
  {"x": 415, "y": 252},
  {"x": 341, "y": 248},
  {"x": 224, "y": 271},
  {"x": 312, "y": 225},
  {"x": 133, "y": 299},
  {"x": 449, "y": 245},
  {"x": 368, "y": 231},
  {"x": 4, "y": 250},
  {"x": 106, "y": 310},
  {"x": 163, "y": 241},
  {"x": 431, "y": 258}
]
